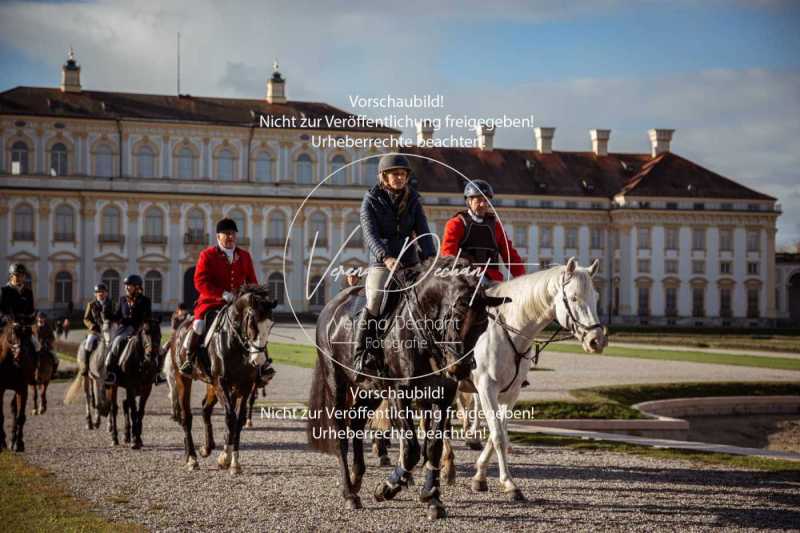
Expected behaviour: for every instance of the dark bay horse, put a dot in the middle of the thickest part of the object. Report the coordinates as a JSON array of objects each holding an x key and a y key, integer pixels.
[
  {"x": 236, "y": 350},
  {"x": 427, "y": 348},
  {"x": 46, "y": 364},
  {"x": 17, "y": 368}
]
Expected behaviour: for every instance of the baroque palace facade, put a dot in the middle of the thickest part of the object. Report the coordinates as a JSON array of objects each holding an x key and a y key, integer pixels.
[{"x": 97, "y": 185}]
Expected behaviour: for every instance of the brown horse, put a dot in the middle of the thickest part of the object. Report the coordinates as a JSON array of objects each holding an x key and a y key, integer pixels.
[
  {"x": 235, "y": 351},
  {"x": 46, "y": 364},
  {"x": 17, "y": 367}
]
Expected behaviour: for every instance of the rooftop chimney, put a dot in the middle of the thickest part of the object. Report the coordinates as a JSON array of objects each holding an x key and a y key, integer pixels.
[
  {"x": 544, "y": 139},
  {"x": 659, "y": 140},
  {"x": 276, "y": 86},
  {"x": 424, "y": 132},
  {"x": 485, "y": 136},
  {"x": 71, "y": 75},
  {"x": 600, "y": 141}
]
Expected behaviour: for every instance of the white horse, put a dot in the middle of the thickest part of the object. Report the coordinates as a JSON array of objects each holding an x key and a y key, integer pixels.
[
  {"x": 503, "y": 353},
  {"x": 92, "y": 385}
]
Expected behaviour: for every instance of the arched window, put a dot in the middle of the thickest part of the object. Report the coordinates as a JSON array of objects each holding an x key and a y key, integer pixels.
[
  {"x": 276, "y": 287},
  {"x": 196, "y": 227},
  {"x": 238, "y": 217},
  {"x": 352, "y": 223},
  {"x": 153, "y": 224},
  {"x": 19, "y": 154},
  {"x": 152, "y": 286},
  {"x": 58, "y": 160},
  {"x": 64, "y": 224},
  {"x": 104, "y": 161},
  {"x": 304, "y": 170},
  {"x": 63, "y": 288},
  {"x": 369, "y": 172},
  {"x": 276, "y": 229},
  {"x": 23, "y": 223},
  {"x": 185, "y": 163},
  {"x": 225, "y": 162},
  {"x": 264, "y": 167},
  {"x": 338, "y": 175},
  {"x": 111, "y": 223},
  {"x": 111, "y": 280},
  {"x": 318, "y": 223},
  {"x": 146, "y": 162},
  {"x": 318, "y": 298}
]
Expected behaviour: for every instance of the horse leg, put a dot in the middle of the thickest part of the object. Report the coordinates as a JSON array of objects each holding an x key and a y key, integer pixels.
[
  {"x": 112, "y": 417},
  {"x": 3, "y": 444},
  {"x": 359, "y": 467},
  {"x": 380, "y": 448},
  {"x": 208, "y": 408},
  {"x": 434, "y": 444},
  {"x": 126, "y": 410},
  {"x": 184, "y": 390},
  {"x": 250, "y": 401},
  {"x": 448, "y": 463},
  {"x": 491, "y": 406},
  {"x": 43, "y": 394},
  {"x": 224, "y": 458},
  {"x": 241, "y": 414},
  {"x": 138, "y": 412},
  {"x": 35, "y": 400},
  {"x": 20, "y": 400},
  {"x": 409, "y": 457},
  {"x": 473, "y": 440}
]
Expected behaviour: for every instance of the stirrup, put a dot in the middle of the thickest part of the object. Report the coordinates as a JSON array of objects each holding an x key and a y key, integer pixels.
[
  {"x": 111, "y": 378},
  {"x": 186, "y": 368}
]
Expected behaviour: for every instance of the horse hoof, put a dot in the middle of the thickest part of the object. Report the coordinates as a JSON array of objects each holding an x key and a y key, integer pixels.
[
  {"x": 248, "y": 424},
  {"x": 235, "y": 470},
  {"x": 436, "y": 511},
  {"x": 479, "y": 485},
  {"x": 89, "y": 425},
  {"x": 384, "y": 492},
  {"x": 384, "y": 460},
  {"x": 19, "y": 447},
  {"x": 515, "y": 495},
  {"x": 115, "y": 442},
  {"x": 354, "y": 503},
  {"x": 43, "y": 410},
  {"x": 126, "y": 439},
  {"x": 223, "y": 461},
  {"x": 205, "y": 451},
  {"x": 137, "y": 445},
  {"x": 35, "y": 412},
  {"x": 191, "y": 464}
]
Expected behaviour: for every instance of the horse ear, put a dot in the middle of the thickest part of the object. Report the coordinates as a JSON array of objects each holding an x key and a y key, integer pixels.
[
  {"x": 273, "y": 304},
  {"x": 595, "y": 266},
  {"x": 572, "y": 264}
]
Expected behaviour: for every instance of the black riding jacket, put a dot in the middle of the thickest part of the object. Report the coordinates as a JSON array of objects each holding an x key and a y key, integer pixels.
[{"x": 16, "y": 304}]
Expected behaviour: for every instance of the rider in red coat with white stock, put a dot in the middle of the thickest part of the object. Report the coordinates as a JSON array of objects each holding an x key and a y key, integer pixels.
[
  {"x": 220, "y": 271},
  {"x": 479, "y": 236}
]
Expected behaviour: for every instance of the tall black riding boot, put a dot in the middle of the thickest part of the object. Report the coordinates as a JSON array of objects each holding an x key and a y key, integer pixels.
[
  {"x": 363, "y": 358},
  {"x": 190, "y": 355}
]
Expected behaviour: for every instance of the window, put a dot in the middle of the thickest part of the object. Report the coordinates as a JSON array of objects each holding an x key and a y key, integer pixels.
[
  {"x": 521, "y": 236},
  {"x": 276, "y": 287},
  {"x": 111, "y": 224},
  {"x": 318, "y": 225},
  {"x": 238, "y": 217},
  {"x": 111, "y": 280},
  {"x": 63, "y": 288},
  {"x": 19, "y": 154},
  {"x": 699, "y": 206},
  {"x": 698, "y": 239},
  {"x": 318, "y": 298},
  {"x": 615, "y": 302},
  {"x": 153, "y": 223},
  {"x": 64, "y": 224},
  {"x": 571, "y": 238},
  {"x": 547, "y": 204},
  {"x": 752, "y": 268},
  {"x": 698, "y": 267},
  {"x": 185, "y": 163},
  {"x": 671, "y": 301},
  {"x": 572, "y": 205},
  {"x": 726, "y": 206},
  {"x": 276, "y": 229},
  {"x": 225, "y": 165},
  {"x": 338, "y": 175},
  {"x": 264, "y": 167},
  {"x": 643, "y": 238},
  {"x": 698, "y": 302},
  {"x": 369, "y": 170},
  {"x": 597, "y": 205},
  {"x": 304, "y": 169},
  {"x": 752, "y": 303},
  {"x": 643, "y": 266},
  {"x": 725, "y": 267},
  {"x": 596, "y": 235},
  {"x": 351, "y": 224},
  {"x": 672, "y": 205},
  {"x": 616, "y": 265},
  {"x": 726, "y": 240},
  {"x": 753, "y": 240},
  {"x": 644, "y": 301},
  {"x": 671, "y": 266},
  {"x": 520, "y": 203},
  {"x": 615, "y": 239},
  {"x": 672, "y": 237},
  {"x": 104, "y": 161},
  {"x": 58, "y": 160},
  {"x": 725, "y": 307},
  {"x": 146, "y": 162},
  {"x": 753, "y": 207},
  {"x": 196, "y": 227},
  {"x": 152, "y": 286},
  {"x": 546, "y": 237}
]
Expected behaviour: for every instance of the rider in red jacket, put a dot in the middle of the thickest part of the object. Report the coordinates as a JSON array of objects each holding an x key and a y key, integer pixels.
[
  {"x": 220, "y": 271},
  {"x": 478, "y": 234}
]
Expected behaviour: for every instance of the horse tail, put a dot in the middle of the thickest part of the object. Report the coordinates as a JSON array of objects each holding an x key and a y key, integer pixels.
[
  {"x": 321, "y": 427},
  {"x": 74, "y": 389}
]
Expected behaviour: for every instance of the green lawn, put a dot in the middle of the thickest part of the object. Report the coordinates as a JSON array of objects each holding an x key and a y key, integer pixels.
[
  {"x": 293, "y": 354},
  {"x": 778, "y": 363},
  {"x": 32, "y": 500}
]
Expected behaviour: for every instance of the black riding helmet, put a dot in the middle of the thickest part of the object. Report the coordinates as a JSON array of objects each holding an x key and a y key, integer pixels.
[
  {"x": 100, "y": 287},
  {"x": 17, "y": 269},
  {"x": 133, "y": 279},
  {"x": 478, "y": 188},
  {"x": 392, "y": 161}
]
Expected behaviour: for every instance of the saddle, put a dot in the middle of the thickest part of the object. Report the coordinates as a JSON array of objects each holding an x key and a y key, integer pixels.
[{"x": 403, "y": 278}]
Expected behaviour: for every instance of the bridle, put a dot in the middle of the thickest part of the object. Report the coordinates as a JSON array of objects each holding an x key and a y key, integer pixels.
[
  {"x": 250, "y": 347},
  {"x": 573, "y": 325}
]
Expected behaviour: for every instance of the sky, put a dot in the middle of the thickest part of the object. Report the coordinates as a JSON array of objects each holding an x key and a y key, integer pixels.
[{"x": 725, "y": 74}]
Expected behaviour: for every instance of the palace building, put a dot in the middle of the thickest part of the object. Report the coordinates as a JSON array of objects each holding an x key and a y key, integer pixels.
[{"x": 95, "y": 185}]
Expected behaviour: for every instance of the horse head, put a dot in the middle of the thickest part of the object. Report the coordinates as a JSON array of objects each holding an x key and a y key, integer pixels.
[
  {"x": 19, "y": 340},
  {"x": 576, "y": 306},
  {"x": 253, "y": 321},
  {"x": 109, "y": 329}
]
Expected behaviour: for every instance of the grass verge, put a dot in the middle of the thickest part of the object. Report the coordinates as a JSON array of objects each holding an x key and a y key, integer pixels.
[
  {"x": 32, "y": 500},
  {"x": 629, "y": 395},
  {"x": 293, "y": 354}
]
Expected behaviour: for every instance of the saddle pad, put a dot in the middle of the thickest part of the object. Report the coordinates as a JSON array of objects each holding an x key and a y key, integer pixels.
[
  {"x": 214, "y": 325},
  {"x": 126, "y": 352}
]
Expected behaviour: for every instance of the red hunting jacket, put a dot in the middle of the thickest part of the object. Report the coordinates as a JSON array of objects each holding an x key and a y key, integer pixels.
[
  {"x": 214, "y": 275},
  {"x": 454, "y": 233}
]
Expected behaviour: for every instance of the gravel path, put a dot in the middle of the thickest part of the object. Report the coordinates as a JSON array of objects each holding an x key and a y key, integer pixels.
[{"x": 286, "y": 487}]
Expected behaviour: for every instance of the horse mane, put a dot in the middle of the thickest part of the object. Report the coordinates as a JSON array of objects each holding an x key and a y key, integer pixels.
[{"x": 255, "y": 289}]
